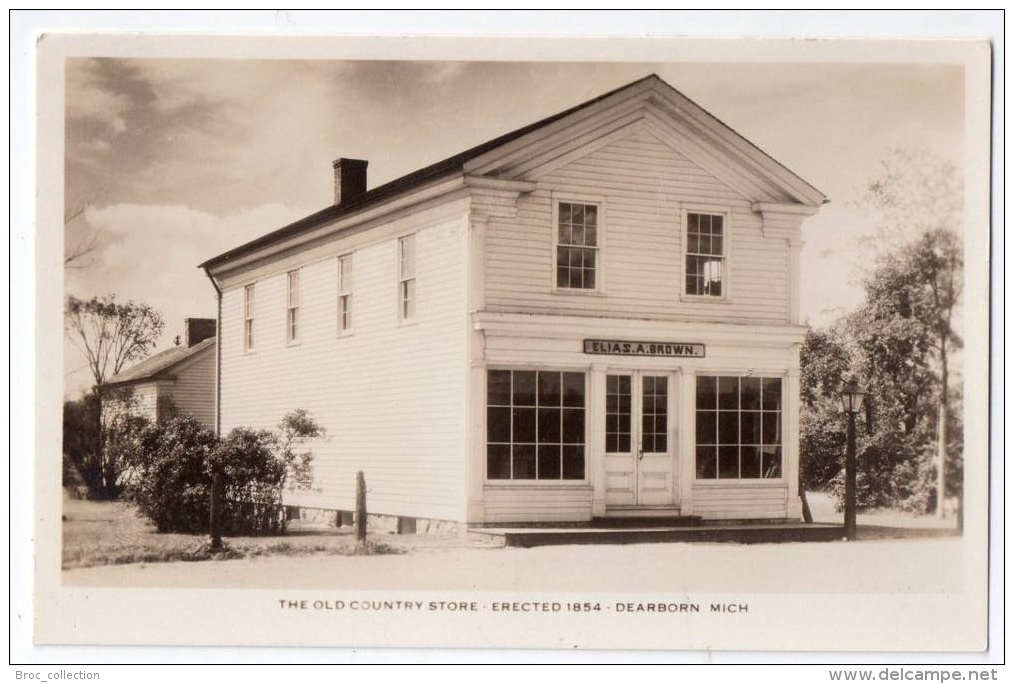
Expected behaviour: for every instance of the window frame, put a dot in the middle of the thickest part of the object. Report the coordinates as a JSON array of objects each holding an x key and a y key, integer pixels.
[
  {"x": 781, "y": 428},
  {"x": 346, "y": 299},
  {"x": 600, "y": 251},
  {"x": 584, "y": 481},
  {"x": 249, "y": 314},
  {"x": 404, "y": 317},
  {"x": 292, "y": 308},
  {"x": 709, "y": 210}
]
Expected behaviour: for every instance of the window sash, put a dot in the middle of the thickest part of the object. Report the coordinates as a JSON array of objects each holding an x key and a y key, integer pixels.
[
  {"x": 345, "y": 293},
  {"x": 577, "y": 245},
  {"x": 738, "y": 432},
  {"x": 406, "y": 277},
  {"x": 535, "y": 425},
  {"x": 406, "y": 257},
  {"x": 705, "y": 254},
  {"x": 248, "y": 317},
  {"x": 292, "y": 312},
  {"x": 406, "y": 298}
]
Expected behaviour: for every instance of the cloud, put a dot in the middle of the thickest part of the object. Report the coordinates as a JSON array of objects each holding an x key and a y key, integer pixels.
[{"x": 150, "y": 254}]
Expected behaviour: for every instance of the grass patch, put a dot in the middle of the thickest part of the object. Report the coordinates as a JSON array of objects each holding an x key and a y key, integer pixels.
[
  {"x": 371, "y": 547},
  {"x": 112, "y": 533}
]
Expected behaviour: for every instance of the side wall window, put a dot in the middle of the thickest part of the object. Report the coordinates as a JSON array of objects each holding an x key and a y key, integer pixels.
[
  {"x": 739, "y": 427},
  {"x": 535, "y": 425},
  {"x": 248, "y": 317},
  {"x": 292, "y": 310},
  {"x": 345, "y": 293},
  {"x": 705, "y": 254},
  {"x": 406, "y": 278}
]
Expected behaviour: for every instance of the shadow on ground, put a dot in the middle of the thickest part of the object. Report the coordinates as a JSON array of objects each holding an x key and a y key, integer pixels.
[{"x": 872, "y": 532}]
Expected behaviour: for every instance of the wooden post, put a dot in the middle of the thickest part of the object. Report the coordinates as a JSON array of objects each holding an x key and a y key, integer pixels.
[
  {"x": 360, "y": 507},
  {"x": 217, "y": 485}
]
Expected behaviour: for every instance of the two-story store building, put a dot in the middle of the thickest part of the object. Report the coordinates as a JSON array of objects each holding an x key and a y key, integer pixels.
[{"x": 595, "y": 315}]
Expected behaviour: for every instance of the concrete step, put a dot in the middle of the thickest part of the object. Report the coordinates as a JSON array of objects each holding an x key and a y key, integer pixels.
[
  {"x": 630, "y": 521},
  {"x": 740, "y": 534}
]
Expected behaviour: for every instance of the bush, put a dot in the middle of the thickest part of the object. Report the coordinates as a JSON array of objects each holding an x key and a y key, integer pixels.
[
  {"x": 866, "y": 497},
  {"x": 168, "y": 478},
  {"x": 170, "y": 469},
  {"x": 253, "y": 475}
]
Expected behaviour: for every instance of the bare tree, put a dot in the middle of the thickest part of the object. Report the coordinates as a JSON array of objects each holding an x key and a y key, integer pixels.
[
  {"x": 76, "y": 254},
  {"x": 110, "y": 333}
]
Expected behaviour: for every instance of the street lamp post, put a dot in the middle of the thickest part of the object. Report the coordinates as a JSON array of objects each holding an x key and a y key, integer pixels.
[{"x": 852, "y": 399}]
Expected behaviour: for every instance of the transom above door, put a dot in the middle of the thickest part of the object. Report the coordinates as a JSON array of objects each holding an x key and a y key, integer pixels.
[{"x": 639, "y": 453}]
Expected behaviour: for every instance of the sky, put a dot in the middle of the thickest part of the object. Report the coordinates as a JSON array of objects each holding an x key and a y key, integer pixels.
[{"x": 171, "y": 161}]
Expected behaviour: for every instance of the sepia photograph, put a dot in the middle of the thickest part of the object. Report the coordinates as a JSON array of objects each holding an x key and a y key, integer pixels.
[{"x": 654, "y": 345}]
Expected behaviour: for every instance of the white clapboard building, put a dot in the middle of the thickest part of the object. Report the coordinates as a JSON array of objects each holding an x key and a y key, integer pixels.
[{"x": 595, "y": 315}]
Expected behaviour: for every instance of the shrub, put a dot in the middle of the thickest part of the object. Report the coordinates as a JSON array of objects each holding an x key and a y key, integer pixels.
[
  {"x": 170, "y": 468},
  {"x": 168, "y": 479},
  {"x": 253, "y": 475}
]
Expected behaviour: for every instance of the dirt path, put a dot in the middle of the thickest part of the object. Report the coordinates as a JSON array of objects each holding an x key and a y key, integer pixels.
[{"x": 906, "y": 566}]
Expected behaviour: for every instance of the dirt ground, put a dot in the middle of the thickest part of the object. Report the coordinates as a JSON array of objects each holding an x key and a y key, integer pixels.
[{"x": 895, "y": 553}]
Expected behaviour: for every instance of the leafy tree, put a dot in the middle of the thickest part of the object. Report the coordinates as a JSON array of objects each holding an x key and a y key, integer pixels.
[
  {"x": 82, "y": 441},
  {"x": 825, "y": 361},
  {"x": 919, "y": 200},
  {"x": 891, "y": 342},
  {"x": 900, "y": 342},
  {"x": 111, "y": 334}
]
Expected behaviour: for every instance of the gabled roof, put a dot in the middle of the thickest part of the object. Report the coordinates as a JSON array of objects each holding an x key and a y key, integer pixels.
[
  {"x": 159, "y": 366},
  {"x": 459, "y": 164}
]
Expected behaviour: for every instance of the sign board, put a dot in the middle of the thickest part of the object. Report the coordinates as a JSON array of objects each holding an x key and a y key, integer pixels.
[{"x": 641, "y": 348}]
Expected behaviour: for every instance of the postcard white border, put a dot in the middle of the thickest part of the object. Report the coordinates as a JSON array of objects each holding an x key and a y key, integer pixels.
[{"x": 55, "y": 603}]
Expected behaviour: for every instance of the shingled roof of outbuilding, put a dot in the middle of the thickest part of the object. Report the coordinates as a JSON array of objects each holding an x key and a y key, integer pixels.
[{"x": 159, "y": 366}]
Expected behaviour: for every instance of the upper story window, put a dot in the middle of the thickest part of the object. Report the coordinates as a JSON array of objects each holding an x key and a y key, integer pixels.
[
  {"x": 739, "y": 427},
  {"x": 344, "y": 293},
  {"x": 406, "y": 277},
  {"x": 248, "y": 317},
  {"x": 577, "y": 245},
  {"x": 292, "y": 307},
  {"x": 705, "y": 255}
]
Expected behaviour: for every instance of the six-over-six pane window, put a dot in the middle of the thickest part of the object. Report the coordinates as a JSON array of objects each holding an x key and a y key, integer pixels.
[
  {"x": 535, "y": 425},
  {"x": 705, "y": 254},
  {"x": 577, "y": 246},
  {"x": 578, "y": 266},
  {"x": 739, "y": 434}
]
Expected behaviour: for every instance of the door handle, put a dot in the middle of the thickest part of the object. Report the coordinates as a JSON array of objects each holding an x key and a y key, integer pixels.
[{"x": 640, "y": 452}]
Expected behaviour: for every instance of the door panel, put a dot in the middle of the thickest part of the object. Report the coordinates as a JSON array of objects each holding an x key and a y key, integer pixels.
[
  {"x": 621, "y": 472},
  {"x": 639, "y": 454},
  {"x": 654, "y": 465}
]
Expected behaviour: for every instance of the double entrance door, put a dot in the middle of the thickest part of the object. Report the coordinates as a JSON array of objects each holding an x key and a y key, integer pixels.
[{"x": 639, "y": 454}]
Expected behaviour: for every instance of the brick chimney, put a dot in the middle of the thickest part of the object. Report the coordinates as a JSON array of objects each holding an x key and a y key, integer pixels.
[
  {"x": 197, "y": 329},
  {"x": 349, "y": 179}
]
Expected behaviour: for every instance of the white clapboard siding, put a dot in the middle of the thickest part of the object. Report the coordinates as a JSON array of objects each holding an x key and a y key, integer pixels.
[
  {"x": 645, "y": 186},
  {"x": 140, "y": 400},
  {"x": 740, "y": 500},
  {"x": 543, "y": 503},
  {"x": 193, "y": 391},
  {"x": 390, "y": 395}
]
